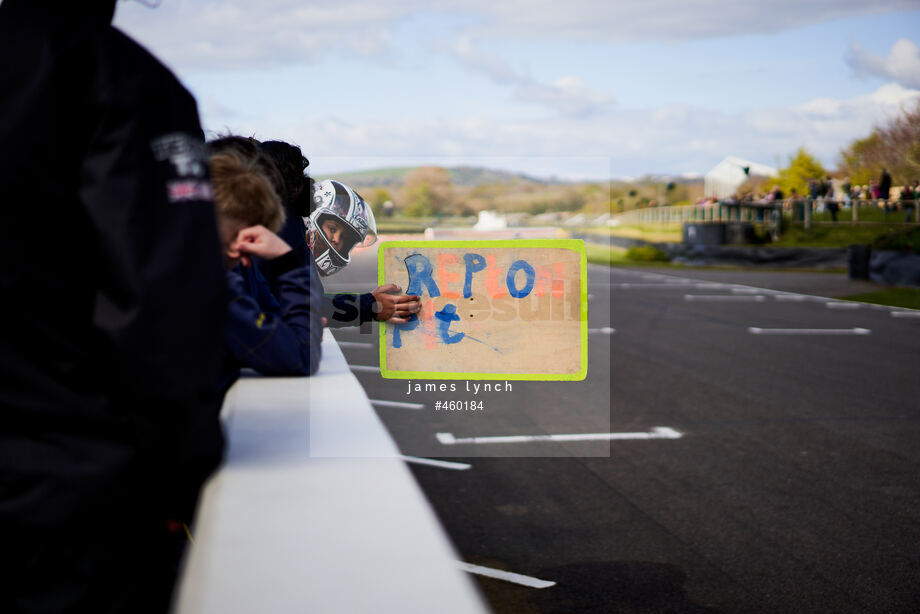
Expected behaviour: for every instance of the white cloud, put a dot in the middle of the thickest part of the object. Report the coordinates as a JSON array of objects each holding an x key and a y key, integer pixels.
[
  {"x": 190, "y": 34},
  {"x": 669, "y": 139},
  {"x": 232, "y": 34},
  {"x": 226, "y": 34},
  {"x": 656, "y": 20},
  {"x": 488, "y": 64},
  {"x": 567, "y": 95},
  {"x": 901, "y": 65}
]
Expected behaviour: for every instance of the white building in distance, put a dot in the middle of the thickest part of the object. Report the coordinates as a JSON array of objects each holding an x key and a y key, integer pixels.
[{"x": 725, "y": 178}]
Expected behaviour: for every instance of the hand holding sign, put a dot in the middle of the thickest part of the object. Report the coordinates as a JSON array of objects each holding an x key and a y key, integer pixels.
[{"x": 393, "y": 306}]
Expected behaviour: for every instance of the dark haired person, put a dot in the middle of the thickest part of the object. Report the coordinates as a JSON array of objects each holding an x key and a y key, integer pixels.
[
  {"x": 108, "y": 402},
  {"x": 250, "y": 148},
  {"x": 384, "y": 303},
  {"x": 884, "y": 185},
  {"x": 297, "y": 187},
  {"x": 908, "y": 200},
  {"x": 830, "y": 202}
]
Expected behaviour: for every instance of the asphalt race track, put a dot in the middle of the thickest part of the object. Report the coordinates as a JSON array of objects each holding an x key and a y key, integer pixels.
[{"x": 789, "y": 479}]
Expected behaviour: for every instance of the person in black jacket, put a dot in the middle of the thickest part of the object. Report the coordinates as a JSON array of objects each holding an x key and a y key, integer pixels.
[
  {"x": 884, "y": 185},
  {"x": 108, "y": 401}
]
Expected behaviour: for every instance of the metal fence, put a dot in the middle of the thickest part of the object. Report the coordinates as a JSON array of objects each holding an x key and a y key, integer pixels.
[{"x": 804, "y": 211}]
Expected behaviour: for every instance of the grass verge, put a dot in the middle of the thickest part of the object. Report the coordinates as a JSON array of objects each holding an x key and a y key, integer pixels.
[
  {"x": 610, "y": 256},
  {"x": 834, "y": 235},
  {"x": 893, "y": 297}
]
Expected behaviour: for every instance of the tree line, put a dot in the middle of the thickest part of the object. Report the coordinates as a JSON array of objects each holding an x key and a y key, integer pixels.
[{"x": 893, "y": 146}]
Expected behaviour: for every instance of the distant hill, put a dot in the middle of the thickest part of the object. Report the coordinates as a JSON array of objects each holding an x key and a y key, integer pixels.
[
  {"x": 473, "y": 176},
  {"x": 467, "y": 176},
  {"x": 385, "y": 177}
]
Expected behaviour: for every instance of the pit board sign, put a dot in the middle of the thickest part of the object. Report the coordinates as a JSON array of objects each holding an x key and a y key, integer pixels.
[{"x": 510, "y": 310}]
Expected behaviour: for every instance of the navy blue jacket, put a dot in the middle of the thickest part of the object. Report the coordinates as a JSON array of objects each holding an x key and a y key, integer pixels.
[{"x": 274, "y": 320}]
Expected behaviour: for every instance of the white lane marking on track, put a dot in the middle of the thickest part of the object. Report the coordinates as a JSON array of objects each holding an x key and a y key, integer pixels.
[
  {"x": 507, "y": 576},
  {"x": 668, "y": 286},
  {"x": 746, "y": 291},
  {"x": 436, "y": 463},
  {"x": 630, "y": 284},
  {"x": 905, "y": 314},
  {"x": 399, "y": 404},
  {"x": 355, "y": 344},
  {"x": 658, "y": 432},
  {"x": 779, "y": 295},
  {"x": 604, "y": 331},
  {"x": 808, "y": 331},
  {"x": 364, "y": 368},
  {"x": 843, "y": 305},
  {"x": 794, "y": 298},
  {"x": 713, "y": 298},
  {"x": 801, "y": 298}
]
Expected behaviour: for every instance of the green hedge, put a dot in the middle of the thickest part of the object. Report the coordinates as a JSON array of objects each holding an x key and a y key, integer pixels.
[
  {"x": 646, "y": 253},
  {"x": 906, "y": 239}
]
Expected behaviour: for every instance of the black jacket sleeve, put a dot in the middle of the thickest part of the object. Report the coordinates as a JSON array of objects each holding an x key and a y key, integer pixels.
[{"x": 341, "y": 310}]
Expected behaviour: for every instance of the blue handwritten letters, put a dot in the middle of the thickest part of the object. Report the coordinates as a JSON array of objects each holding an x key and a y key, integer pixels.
[{"x": 520, "y": 282}]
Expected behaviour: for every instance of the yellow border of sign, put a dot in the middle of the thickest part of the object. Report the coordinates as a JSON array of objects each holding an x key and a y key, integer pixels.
[{"x": 576, "y": 245}]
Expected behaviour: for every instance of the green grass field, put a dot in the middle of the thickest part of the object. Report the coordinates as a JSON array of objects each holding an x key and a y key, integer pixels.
[
  {"x": 894, "y": 297},
  {"x": 653, "y": 233},
  {"x": 830, "y": 235},
  {"x": 611, "y": 256}
]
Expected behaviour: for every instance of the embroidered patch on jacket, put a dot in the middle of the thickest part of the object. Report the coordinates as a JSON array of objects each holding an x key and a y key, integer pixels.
[
  {"x": 188, "y": 189},
  {"x": 186, "y": 154}
]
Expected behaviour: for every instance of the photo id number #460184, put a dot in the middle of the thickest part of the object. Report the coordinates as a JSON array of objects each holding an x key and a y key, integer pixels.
[{"x": 458, "y": 405}]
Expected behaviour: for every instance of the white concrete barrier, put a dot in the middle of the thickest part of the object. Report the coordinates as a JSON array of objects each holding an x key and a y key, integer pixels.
[{"x": 313, "y": 511}]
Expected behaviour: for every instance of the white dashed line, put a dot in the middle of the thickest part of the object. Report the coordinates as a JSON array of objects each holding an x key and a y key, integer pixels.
[
  {"x": 842, "y": 305},
  {"x": 728, "y": 298},
  {"x": 666, "y": 286},
  {"x": 792, "y": 298},
  {"x": 905, "y": 314},
  {"x": 808, "y": 331},
  {"x": 658, "y": 432},
  {"x": 364, "y": 368},
  {"x": 603, "y": 331},
  {"x": 399, "y": 404},
  {"x": 507, "y": 576},
  {"x": 436, "y": 463},
  {"x": 355, "y": 344},
  {"x": 747, "y": 291}
]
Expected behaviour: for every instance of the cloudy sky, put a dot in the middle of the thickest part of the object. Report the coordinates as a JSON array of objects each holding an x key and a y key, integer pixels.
[{"x": 575, "y": 89}]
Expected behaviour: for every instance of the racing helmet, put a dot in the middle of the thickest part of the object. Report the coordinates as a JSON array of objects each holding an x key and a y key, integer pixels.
[{"x": 337, "y": 202}]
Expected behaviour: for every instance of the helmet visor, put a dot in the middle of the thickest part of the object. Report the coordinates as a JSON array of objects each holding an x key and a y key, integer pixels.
[
  {"x": 337, "y": 234},
  {"x": 341, "y": 204}
]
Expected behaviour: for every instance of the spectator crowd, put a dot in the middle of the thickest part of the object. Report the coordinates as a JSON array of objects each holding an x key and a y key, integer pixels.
[{"x": 827, "y": 194}]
